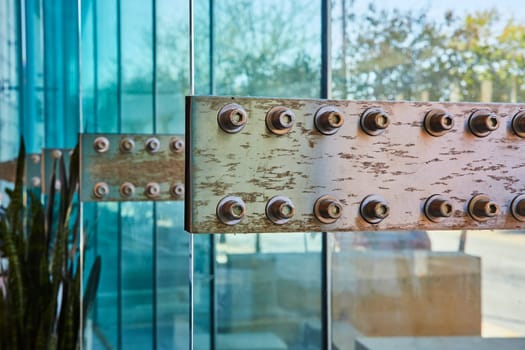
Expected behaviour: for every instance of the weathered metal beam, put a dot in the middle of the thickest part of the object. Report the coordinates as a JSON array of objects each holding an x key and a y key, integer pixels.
[
  {"x": 288, "y": 165},
  {"x": 131, "y": 167}
]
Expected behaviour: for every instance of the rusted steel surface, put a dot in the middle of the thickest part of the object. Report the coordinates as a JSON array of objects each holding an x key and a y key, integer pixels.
[
  {"x": 403, "y": 164},
  {"x": 131, "y": 167}
]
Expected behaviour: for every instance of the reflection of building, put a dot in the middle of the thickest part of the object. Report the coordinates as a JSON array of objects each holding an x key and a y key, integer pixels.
[{"x": 130, "y": 74}]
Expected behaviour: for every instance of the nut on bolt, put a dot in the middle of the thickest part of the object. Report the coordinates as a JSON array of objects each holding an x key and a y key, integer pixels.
[
  {"x": 280, "y": 210},
  {"x": 232, "y": 118},
  {"x": 127, "y": 145},
  {"x": 328, "y": 209},
  {"x": 481, "y": 208},
  {"x": 176, "y": 145},
  {"x": 101, "y": 144},
  {"x": 517, "y": 207},
  {"x": 328, "y": 119},
  {"x": 482, "y": 122},
  {"x": 231, "y": 210},
  {"x": 280, "y": 120},
  {"x": 437, "y": 208},
  {"x": 374, "y": 121},
  {"x": 518, "y": 124},
  {"x": 374, "y": 209},
  {"x": 177, "y": 190},
  {"x": 101, "y": 190},
  {"x": 127, "y": 189},
  {"x": 152, "y": 190},
  {"x": 438, "y": 122},
  {"x": 153, "y": 145}
]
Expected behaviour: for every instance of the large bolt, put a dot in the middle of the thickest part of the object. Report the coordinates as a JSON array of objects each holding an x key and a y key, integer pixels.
[
  {"x": 517, "y": 207},
  {"x": 374, "y": 209},
  {"x": 127, "y": 145},
  {"x": 280, "y": 120},
  {"x": 328, "y": 119},
  {"x": 232, "y": 118},
  {"x": 437, "y": 207},
  {"x": 127, "y": 189},
  {"x": 374, "y": 121},
  {"x": 101, "y": 190},
  {"x": 280, "y": 210},
  {"x": 231, "y": 210},
  {"x": 152, "y": 190},
  {"x": 176, "y": 145},
  {"x": 101, "y": 144},
  {"x": 177, "y": 190},
  {"x": 482, "y": 122},
  {"x": 56, "y": 154},
  {"x": 518, "y": 124},
  {"x": 438, "y": 122},
  {"x": 327, "y": 209},
  {"x": 153, "y": 145},
  {"x": 35, "y": 181},
  {"x": 481, "y": 208}
]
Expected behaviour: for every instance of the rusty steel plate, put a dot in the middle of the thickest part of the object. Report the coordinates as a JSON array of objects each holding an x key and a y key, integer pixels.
[
  {"x": 131, "y": 167},
  {"x": 378, "y": 173}
]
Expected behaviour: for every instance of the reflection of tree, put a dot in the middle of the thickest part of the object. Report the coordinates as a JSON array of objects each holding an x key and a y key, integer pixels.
[
  {"x": 268, "y": 48},
  {"x": 392, "y": 54}
]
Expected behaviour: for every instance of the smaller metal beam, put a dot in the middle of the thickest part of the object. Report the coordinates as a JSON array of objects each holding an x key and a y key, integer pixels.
[{"x": 131, "y": 167}]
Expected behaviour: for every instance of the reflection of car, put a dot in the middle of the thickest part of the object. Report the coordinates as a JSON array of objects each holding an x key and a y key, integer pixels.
[{"x": 394, "y": 240}]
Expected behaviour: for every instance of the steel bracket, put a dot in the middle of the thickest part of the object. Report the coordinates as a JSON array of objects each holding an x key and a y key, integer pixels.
[{"x": 131, "y": 167}]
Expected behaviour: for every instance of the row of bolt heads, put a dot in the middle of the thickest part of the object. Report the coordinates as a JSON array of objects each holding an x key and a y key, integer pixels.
[
  {"x": 128, "y": 190},
  {"x": 232, "y": 118},
  {"x": 374, "y": 209},
  {"x": 127, "y": 145}
]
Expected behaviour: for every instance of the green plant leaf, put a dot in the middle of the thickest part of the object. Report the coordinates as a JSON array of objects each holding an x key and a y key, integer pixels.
[{"x": 92, "y": 287}]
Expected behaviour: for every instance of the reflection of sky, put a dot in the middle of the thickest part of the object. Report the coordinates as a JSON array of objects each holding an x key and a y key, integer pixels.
[{"x": 504, "y": 7}]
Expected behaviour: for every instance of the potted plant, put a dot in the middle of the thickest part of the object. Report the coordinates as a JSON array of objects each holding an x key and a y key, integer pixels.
[{"x": 40, "y": 266}]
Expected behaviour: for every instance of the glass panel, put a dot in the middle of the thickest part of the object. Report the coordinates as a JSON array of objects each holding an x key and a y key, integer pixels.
[
  {"x": 427, "y": 284},
  {"x": 258, "y": 51},
  {"x": 135, "y": 79}
]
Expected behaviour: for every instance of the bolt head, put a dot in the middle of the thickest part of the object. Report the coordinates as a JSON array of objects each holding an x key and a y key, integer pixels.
[
  {"x": 482, "y": 122},
  {"x": 152, "y": 145},
  {"x": 35, "y": 158},
  {"x": 127, "y": 145},
  {"x": 177, "y": 190},
  {"x": 127, "y": 189},
  {"x": 35, "y": 181},
  {"x": 328, "y": 120},
  {"x": 101, "y": 190},
  {"x": 152, "y": 190},
  {"x": 101, "y": 144},
  {"x": 280, "y": 120},
  {"x": 374, "y": 121},
  {"x": 518, "y": 124},
  {"x": 232, "y": 118},
  {"x": 177, "y": 145},
  {"x": 56, "y": 154},
  {"x": 231, "y": 210}
]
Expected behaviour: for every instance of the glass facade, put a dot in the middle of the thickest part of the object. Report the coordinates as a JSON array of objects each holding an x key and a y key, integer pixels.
[{"x": 122, "y": 66}]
